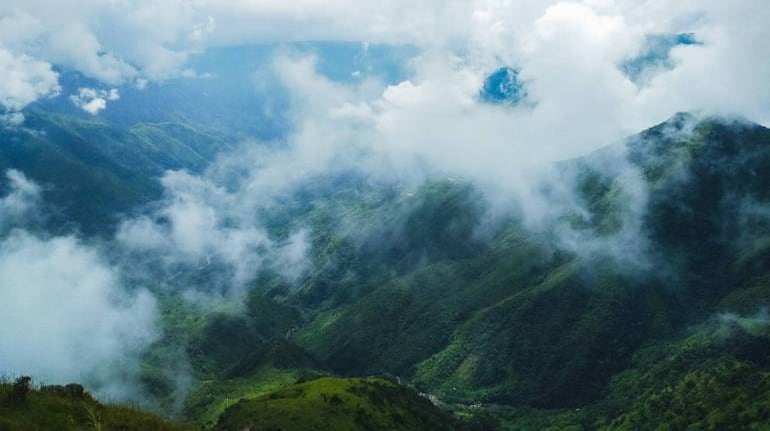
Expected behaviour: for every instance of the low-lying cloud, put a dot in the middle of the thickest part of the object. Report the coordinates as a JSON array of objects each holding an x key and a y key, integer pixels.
[
  {"x": 21, "y": 201},
  {"x": 67, "y": 316},
  {"x": 201, "y": 223}
]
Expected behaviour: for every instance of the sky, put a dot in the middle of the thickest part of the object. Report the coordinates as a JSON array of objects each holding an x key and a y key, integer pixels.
[
  {"x": 571, "y": 55},
  {"x": 586, "y": 73}
]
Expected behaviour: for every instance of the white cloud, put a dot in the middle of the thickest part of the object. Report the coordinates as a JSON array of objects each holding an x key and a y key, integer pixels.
[
  {"x": 66, "y": 315},
  {"x": 292, "y": 256},
  {"x": 200, "y": 223},
  {"x": 21, "y": 202},
  {"x": 20, "y": 30},
  {"x": 24, "y": 80},
  {"x": 92, "y": 100},
  {"x": 114, "y": 42},
  {"x": 728, "y": 74},
  {"x": 567, "y": 52},
  {"x": 576, "y": 44},
  {"x": 12, "y": 119}
]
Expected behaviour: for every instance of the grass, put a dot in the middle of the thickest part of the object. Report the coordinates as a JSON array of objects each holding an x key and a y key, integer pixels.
[
  {"x": 328, "y": 403},
  {"x": 43, "y": 411},
  {"x": 210, "y": 398}
]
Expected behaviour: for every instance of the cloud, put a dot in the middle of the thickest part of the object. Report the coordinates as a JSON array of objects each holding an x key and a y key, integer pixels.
[
  {"x": 25, "y": 77},
  {"x": 569, "y": 54},
  {"x": 25, "y": 80},
  {"x": 12, "y": 119},
  {"x": 567, "y": 49},
  {"x": 729, "y": 324},
  {"x": 292, "y": 257},
  {"x": 21, "y": 202},
  {"x": 201, "y": 223},
  {"x": 92, "y": 100},
  {"x": 724, "y": 74},
  {"x": 66, "y": 315},
  {"x": 114, "y": 42}
]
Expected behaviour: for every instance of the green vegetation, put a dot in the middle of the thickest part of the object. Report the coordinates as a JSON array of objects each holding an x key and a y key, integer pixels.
[
  {"x": 210, "y": 398},
  {"x": 508, "y": 327},
  {"x": 517, "y": 321},
  {"x": 715, "y": 379},
  {"x": 66, "y": 409},
  {"x": 406, "y": 283},
  {"x": 340, "y": 405},
  {"x": 91, "y": 172}
]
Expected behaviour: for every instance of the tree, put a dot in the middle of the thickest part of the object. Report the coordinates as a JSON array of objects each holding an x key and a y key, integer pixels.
[{"x": 21, "y": 387}]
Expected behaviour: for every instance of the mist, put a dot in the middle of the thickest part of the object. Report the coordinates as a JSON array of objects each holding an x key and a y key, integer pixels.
[{"x": 67, "y": 317}]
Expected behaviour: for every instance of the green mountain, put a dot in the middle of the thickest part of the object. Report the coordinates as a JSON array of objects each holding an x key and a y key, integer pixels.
[
  {"x": 339, "y": 404},
  {"x": 92, "y": 171},
  {"x": 533, "y": 330},
  {"x": 639, "y": 306}
]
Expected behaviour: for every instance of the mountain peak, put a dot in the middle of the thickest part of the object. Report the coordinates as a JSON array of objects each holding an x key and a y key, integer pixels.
[
  {"x": 689, "y": 121},
  {"x": 687, "y": 136}
]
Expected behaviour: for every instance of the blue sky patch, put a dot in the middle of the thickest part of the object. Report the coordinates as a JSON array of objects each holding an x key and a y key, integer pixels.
[
  {"x": 503, "y": 87},
  {"x": 656, "y": 55}
]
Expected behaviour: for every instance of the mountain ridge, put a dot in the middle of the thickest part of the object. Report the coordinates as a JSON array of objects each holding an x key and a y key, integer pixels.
[{"x": 519, "y": 322}]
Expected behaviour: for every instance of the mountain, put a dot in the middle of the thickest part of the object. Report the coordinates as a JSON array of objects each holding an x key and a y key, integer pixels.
[
  {"x": 641, "y": 305},
  {"x": 92, "y": 171},
  {"x": 234, "y": 91},
  {"x": 532, "y": 329},
  {"x": 95, "y": 167}
]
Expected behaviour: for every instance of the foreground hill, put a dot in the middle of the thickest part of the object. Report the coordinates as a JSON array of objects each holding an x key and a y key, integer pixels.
[
  {"x": 70, "y": 409},
  {"x": 340, "y": 405}
]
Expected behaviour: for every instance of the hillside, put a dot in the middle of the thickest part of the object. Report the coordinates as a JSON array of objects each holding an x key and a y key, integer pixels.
[
  {"x": 640, "y": 306},
  {"x": 495, "y": 325},
  {"x": 92, "y": 171},
  {"x": 338, "y": 404},
  {"x": 70, "y": 409},
  {"x": 520, "y": 320}
]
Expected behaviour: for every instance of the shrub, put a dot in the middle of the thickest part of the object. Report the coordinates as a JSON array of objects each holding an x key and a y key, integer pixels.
[{"x": 21, "y": 387}]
